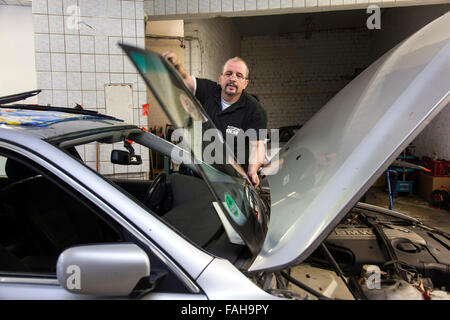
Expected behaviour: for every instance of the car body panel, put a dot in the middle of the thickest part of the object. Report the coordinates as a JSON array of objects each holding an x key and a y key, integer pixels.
[
  {"x": 335, "y": 157},
  {"x": 231, "y": 285}
]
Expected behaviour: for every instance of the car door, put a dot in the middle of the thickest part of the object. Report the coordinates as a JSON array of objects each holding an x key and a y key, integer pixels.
[{"x": 42, "y": 215}]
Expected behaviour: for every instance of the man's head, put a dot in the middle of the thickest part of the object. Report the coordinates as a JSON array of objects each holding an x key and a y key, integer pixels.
[{"x": 234, "y": 78}]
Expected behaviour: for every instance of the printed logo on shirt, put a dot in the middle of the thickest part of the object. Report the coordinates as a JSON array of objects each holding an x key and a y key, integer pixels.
[{"x": 233, "y": 130}]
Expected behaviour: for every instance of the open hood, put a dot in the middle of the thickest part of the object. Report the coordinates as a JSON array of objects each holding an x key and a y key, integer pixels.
[{"x": 340, "y": 152}]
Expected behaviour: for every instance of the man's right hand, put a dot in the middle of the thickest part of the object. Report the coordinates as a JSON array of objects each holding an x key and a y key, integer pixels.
[{"x": 172, "y": 58}]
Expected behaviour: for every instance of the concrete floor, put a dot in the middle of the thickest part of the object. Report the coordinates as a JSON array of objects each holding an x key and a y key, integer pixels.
[{"x": 414, "y": 206}]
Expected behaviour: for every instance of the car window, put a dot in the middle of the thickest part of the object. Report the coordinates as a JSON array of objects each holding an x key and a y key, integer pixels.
[
  {"x": 39, "y": 220},
  {"x": 41, "y": 216}
]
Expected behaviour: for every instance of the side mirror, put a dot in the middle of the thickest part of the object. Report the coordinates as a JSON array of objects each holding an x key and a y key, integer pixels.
[
  {"x": 125, "y": 158},
  {"x": 103, "y": 270}
]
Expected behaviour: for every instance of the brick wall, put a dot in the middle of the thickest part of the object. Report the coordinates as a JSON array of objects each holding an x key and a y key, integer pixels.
[
  {"x": 294, "y": 77},
  {"x": 213, "y": 41}
]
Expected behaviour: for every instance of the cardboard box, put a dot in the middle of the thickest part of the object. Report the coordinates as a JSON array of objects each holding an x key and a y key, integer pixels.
[{"x": 429, "y": 183}]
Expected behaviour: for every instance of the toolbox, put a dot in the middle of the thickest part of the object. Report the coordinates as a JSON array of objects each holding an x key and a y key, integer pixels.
[{"x": 439, "y": 168}]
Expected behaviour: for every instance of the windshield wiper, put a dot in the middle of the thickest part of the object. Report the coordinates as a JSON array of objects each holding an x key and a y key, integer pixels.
[{"x": 18, "y": 96}]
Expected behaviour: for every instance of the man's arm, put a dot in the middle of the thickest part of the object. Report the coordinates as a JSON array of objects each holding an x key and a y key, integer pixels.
[
  {"x": 256, "y": 159},
  {"x": 187, "y": 78}
]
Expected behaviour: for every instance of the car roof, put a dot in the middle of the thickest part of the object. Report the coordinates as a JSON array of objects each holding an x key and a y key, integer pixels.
[{"x": 51, "y": 122}]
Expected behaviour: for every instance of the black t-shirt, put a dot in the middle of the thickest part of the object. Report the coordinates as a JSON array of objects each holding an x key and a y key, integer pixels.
[{"x": 234, "y": 121}]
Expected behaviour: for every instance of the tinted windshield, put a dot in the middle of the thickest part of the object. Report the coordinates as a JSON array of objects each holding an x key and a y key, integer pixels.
[{"x": 226, "y": 179}]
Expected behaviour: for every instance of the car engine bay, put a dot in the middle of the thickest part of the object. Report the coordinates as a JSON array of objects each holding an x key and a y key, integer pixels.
[{"x": 376, "y": 257}]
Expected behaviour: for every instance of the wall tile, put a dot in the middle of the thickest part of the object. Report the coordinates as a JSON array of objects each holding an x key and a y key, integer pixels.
[
  {"x": 311, "y": 3},
  {"x": 74, "y": 97},
  {"x": 323, "y": 3},
  {"x": 192, "y": 6},
  {"x": 149, "y": 7},
  {"x": 115, "y": 27},
  {"x": 59, "y": 80},
  {"x": 128, "y": 10},
  {"x": 128, "y": 65},
  {"x": 160, "y": 7},
  {"x": 55, "y": 7},
  {"x": 116, "y": 63},
  {"x": 250, "y": 5},
  {"x": 286, "y": 3},
  {"x": 274, "y": 4},
  {"x": 262, "y": 4},
  {"x": 116, "y": 77},
  {"x": 298, "y": 3},
  {"x": 71, "y": 26},
  {"x": 57, "y": 43},
  {"x": 113, "y": 45},
  {"x": 89, "y": 99},
  {"x": 87, "y": 44},
  {"x": 129, "y": 41},
  {"x": 87, "y": 63},
  {"x": 40, "y": 23},
  {"x": 227, "y": 5},
  {"x": 140, "y": 28},
  {"x": 101, "y": 100},
  {"x": 41, "y": 42},
  {"x": 44, "y": 80},
  {"x": 171, "y": 6},
  {"x": 101, "y": 44},
  {"x": 45, "y": 97},
  {"x": 114, "y": 10},
  {"x": 91, "y": 8},
  {"x": 102, "y": 63},
  {"x": 68, "y": 6},
  {"x": 88, "y": 81},
  {"x": 60, "y": 98},
  {"x": 132, "y": 79},
  {"x": 129, "y": 28},
  {"x": 72, "y": 44},
  {"x": 55, "y": 24},
  {"x": 43, "y": 61},
  {"x": 139, "y": 9},
  {"x": 215, "y": 5},
  {"x": 239, "y": 5},
  {"x": 39, "y": 6},
  {"x": 74, "y": 81},
  {"x": 181, "y": 6},
  {"x": 101, "y": 80},
  {"x": 58, "y": 61},
  {"x": 73, "y": 62}
]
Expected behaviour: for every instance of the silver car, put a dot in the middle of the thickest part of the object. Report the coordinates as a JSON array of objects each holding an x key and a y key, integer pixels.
[{"x": 68, "y": 232}]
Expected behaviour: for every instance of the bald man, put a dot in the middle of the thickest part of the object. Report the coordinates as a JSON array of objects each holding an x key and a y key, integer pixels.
[{"x": 232, "y": 109}]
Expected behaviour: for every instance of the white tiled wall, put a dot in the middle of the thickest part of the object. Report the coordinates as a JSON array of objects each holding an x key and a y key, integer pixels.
[{"x": 74, "y": 64}]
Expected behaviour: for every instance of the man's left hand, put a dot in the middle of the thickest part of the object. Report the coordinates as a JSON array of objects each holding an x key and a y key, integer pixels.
[{"x": 253, "y": 175}]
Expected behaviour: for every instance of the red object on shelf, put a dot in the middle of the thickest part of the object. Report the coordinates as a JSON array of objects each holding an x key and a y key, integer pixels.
[{"x": 438, "y": 168}]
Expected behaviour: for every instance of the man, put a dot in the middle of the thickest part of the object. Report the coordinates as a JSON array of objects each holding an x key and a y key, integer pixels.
[{"x": 232, "y": 110}]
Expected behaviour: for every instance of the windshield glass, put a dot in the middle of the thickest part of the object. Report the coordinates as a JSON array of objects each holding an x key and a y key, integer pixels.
[{"x": 226, "y": 179}]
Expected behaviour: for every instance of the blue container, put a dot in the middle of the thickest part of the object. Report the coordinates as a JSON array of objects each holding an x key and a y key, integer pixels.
[{"x": 403, "y": 186}]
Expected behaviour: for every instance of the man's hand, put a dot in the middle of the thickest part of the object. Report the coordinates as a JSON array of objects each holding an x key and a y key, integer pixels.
[
  {"x": 172, "y": 58},
  {"x": 253, "y": 175}
]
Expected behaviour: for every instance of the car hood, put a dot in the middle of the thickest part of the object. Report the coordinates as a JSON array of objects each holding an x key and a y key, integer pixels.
[{"x": 338, "y": 154}]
